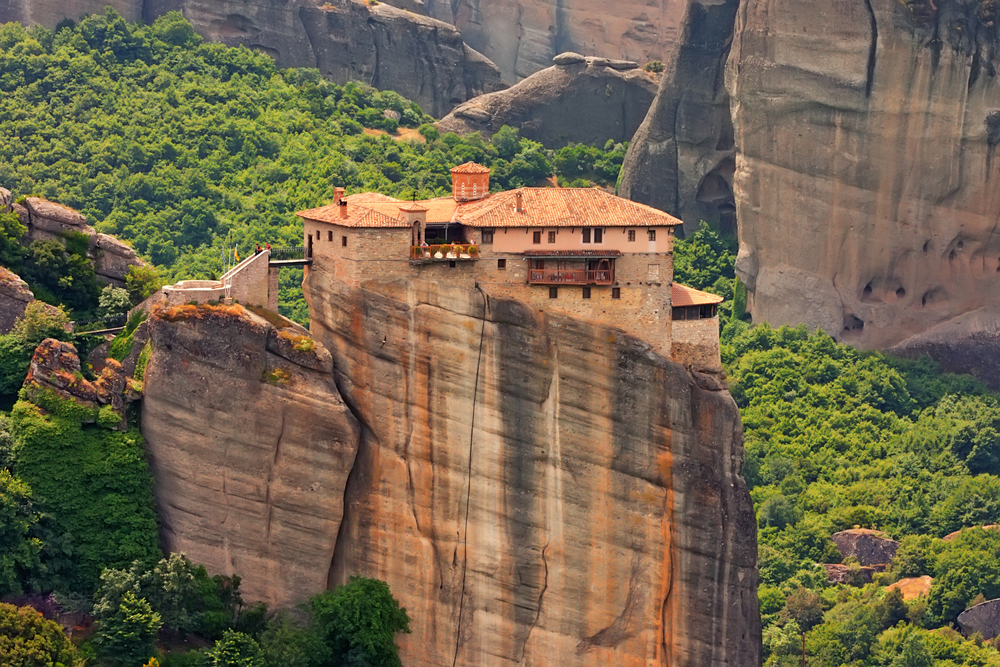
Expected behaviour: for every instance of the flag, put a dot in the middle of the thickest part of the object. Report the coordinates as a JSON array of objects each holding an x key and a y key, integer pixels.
[{"x": 236, "y": 252}]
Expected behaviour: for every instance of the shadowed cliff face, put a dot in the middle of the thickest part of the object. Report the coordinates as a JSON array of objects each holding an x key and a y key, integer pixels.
[
  {"x": 867, "y": 185},
  {"x": 537, "y": 490},
  {"x": 421, "y": 58},
  {"x": 522, "y": 36},
  {"x": 682, "y": 158}
]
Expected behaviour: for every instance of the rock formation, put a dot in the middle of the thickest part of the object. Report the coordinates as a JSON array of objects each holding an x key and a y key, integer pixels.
[
  {"x": 14, "y": 298},
  {"x": 984, "y": 618},
  {"x": 682, "y": 158},
  {"x": 869, "y": 547},
  {"x": 585, "y": 100},
  {"x": 46, "y": 220},
  {"x": 250, "y": 446},
  {"x": 913, "y": 588},
  {"x": 535, "y": 488},
  {"x": 522, "y": 37},
  {"x": 866, "y": 184},
  {"x": 419, "y": 57},
  {"x": 852, "y": 575}
]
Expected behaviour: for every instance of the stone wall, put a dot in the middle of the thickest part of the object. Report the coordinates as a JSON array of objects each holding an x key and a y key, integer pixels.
[
  {"x": 643, "y": 309},
  {"x": 248, "y": 281},
  {"x": 696, "y": 343}
]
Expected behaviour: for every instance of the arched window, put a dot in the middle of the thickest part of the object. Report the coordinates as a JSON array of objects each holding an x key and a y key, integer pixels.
[
  {"x": 463, "y": 189},
  {"x": 475, "y": 190}
]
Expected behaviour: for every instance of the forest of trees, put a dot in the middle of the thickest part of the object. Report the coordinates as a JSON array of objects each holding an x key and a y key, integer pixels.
[{"x": 184, "y": 148}]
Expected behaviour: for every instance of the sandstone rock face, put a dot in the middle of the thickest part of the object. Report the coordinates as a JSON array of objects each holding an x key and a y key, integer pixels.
[
  {"x": 250, "y": 446},
  {"x": 682, "y": 158},
  {"x": 14, "y": 297},
  {"x": 50, "y": 12},
  {"x": 866, "y": 182},
  {"x": 585, "y": 101},
  {"x": 521, "y": 36},
  {"x": 48, "y": 220},
  {"x": 535, "y": 489},
  {"x": 984, "y": 618},
  {"x": 420, "y": 58},
  {"x": 852, "y": 576},
  {"x": 870, "y": 547},
  {"x": 913, "y": 588}
]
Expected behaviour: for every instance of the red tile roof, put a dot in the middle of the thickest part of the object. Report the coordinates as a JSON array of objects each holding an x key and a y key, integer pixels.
[
  {"x": 683, "y": 295},
  {"x": 561, "y": 207},
  {"x": 470, "y": 168}
]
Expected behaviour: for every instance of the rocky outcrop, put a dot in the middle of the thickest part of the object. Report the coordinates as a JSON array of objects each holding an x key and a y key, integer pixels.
[
  {"x": 348, "y": 40},
  {"x": 537, "y": 489},
  {"x": 950, "y": 536},
  {"x": 852, "y": 575},
  {"x": 984, "y": 618},
  {"x": 913, "y": 588},
  {"x": 585, "y": 100},
  {"x": 682, "y": 158},
  {"x": 14, "y": 298},
  {"x": 866, "y": 182},
  {"x": 869, "y": 547},
  {"x": 47, "y": 220},
  {"x": 250, "y": 446},
  {"x": 55, "y": 367},
  {"x": 522, "y": 37}
]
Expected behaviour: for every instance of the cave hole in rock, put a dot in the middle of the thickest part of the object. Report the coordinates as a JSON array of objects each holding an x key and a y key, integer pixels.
[
  {"x": 952, "y": 255},
  {"x": 900, "y": 293},
  {"x": 853, "y": 324},
  {"x": 960, "y": 245},
  {"x": 998, "y": 265},
  {"x": 927, "y": 246},
  {"x": 866, "y": 293}
]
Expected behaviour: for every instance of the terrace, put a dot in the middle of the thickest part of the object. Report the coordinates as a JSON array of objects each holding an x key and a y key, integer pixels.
[{"x": 444, "y": 252}]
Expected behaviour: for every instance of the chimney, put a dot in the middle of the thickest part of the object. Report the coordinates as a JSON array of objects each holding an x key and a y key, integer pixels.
[
  {"x": 342, "y": 205},
  {"x": 519, "y": 202}
]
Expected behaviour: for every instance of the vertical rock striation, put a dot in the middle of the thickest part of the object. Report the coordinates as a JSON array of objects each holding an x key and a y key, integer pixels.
[
  {"x": 682, "y": 158},
  {"x": 250, "y": 448},
  {"x": 536, "y": 489},
  {"x": 866, "y": 182}
]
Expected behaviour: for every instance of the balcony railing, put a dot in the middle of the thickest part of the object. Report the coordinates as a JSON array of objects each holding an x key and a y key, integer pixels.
[
  {"x": 570, "y": 277},
  {"x": 441, "y": 253}
]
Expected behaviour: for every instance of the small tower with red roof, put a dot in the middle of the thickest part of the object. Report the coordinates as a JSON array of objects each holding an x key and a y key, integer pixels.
[{"x": 469, "y": 182}]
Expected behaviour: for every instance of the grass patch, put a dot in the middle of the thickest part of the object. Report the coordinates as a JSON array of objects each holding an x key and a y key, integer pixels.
[{"x": 299, "y": 343}]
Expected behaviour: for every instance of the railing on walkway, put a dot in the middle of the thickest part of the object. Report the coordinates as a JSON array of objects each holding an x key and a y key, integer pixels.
[
  {"x": 98, "y": 323},
  {"x": 444, "y": 252},
  {"x": 570, "y": 277},
  {"x": 288, "y": 253}
]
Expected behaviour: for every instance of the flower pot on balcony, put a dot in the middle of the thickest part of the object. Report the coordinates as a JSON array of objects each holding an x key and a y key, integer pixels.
[
  {"x": 465, "y": 255},
  {"x": 438, "y": 255},
  {"x": 451, "y": 255}
]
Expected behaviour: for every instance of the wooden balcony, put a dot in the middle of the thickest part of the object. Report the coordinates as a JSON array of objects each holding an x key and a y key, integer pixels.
[
  {"x": 570, "y": 277},
  {"x": 444, "y": 253}
]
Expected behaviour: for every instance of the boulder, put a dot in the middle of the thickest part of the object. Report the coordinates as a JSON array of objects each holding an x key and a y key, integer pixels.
[
  {"x": 569, "y": 58},
  {"x": 623, "y": 65},
  {"x": 6, "y": 199},
  {"x": 950, "y": 536},
  {"x": 598, "y": 62},
  {"x": 14, "y": 297},
  {"x": 984, "y": 618},
  {"x": 837, "y": 573},
  {"x": 913, "y": 588},
  {"x": 561, "y": 104},
  {"x": 869, "y": 547}
]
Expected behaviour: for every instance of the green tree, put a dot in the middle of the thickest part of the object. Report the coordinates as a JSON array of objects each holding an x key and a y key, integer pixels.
[
  {"x": 126, "y": 636},
  {"x": 235, "y": 649},
  {"x": 114, "y": 301},
  {"x": 27, "y": 639},
  {"x": 20, "y": 549},
  {"x": 359, "y": 621},
  {"x": 507, "y": 141}
]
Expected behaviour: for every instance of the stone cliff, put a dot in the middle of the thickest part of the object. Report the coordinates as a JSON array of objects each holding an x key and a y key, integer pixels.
[
  {"x": 536, "y": 490},
  {"x": 521, "y": 37},
  {"x": 584, "y": 100},
  {"x": 421, "y": 58},
  {"x": 682, "y": 158},
  {"x": 866, "y": 181}
]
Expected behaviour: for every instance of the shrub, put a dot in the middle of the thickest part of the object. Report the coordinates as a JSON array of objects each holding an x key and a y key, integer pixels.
[
  {"x": 113, "y": 301},
  {"x": 141, "y": 282},
  {"x": 655, "y": 66},
  {"x": 358, "y": 622},
  {"x": 125, "y": 636},
  {"x": 235, "y": 649},
  {"x": 29, "y": 640}
]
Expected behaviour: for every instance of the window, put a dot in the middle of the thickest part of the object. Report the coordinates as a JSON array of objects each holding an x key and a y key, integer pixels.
[
  {"x": 598, "y": 235},
  {"x": 586, "y": 235},
  {"x": 616, "y": 292},
  {"x": 452, "y": 264},
  {"x": 552, "y": 237},
  {"x": 679, "y": 314},
  {"x": 317, "y": 234},
  {"x": 652, "y": 234},
  {"x": 586, "y": 292},
  {"x": 501, "y": 265},
  {"x": 487, "y": 236},
  {"x": 653, "y": 273},
  {"x": 708, "y": 311},
  {"x": 536, "y": 237},
  {"x": 475, "y": 189},
  {"x": 631, "y": 235},
  {"x": 343, "y": 241},
  {"x": 553, "y": 292},
  {"x": 329, "y": 236}
]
